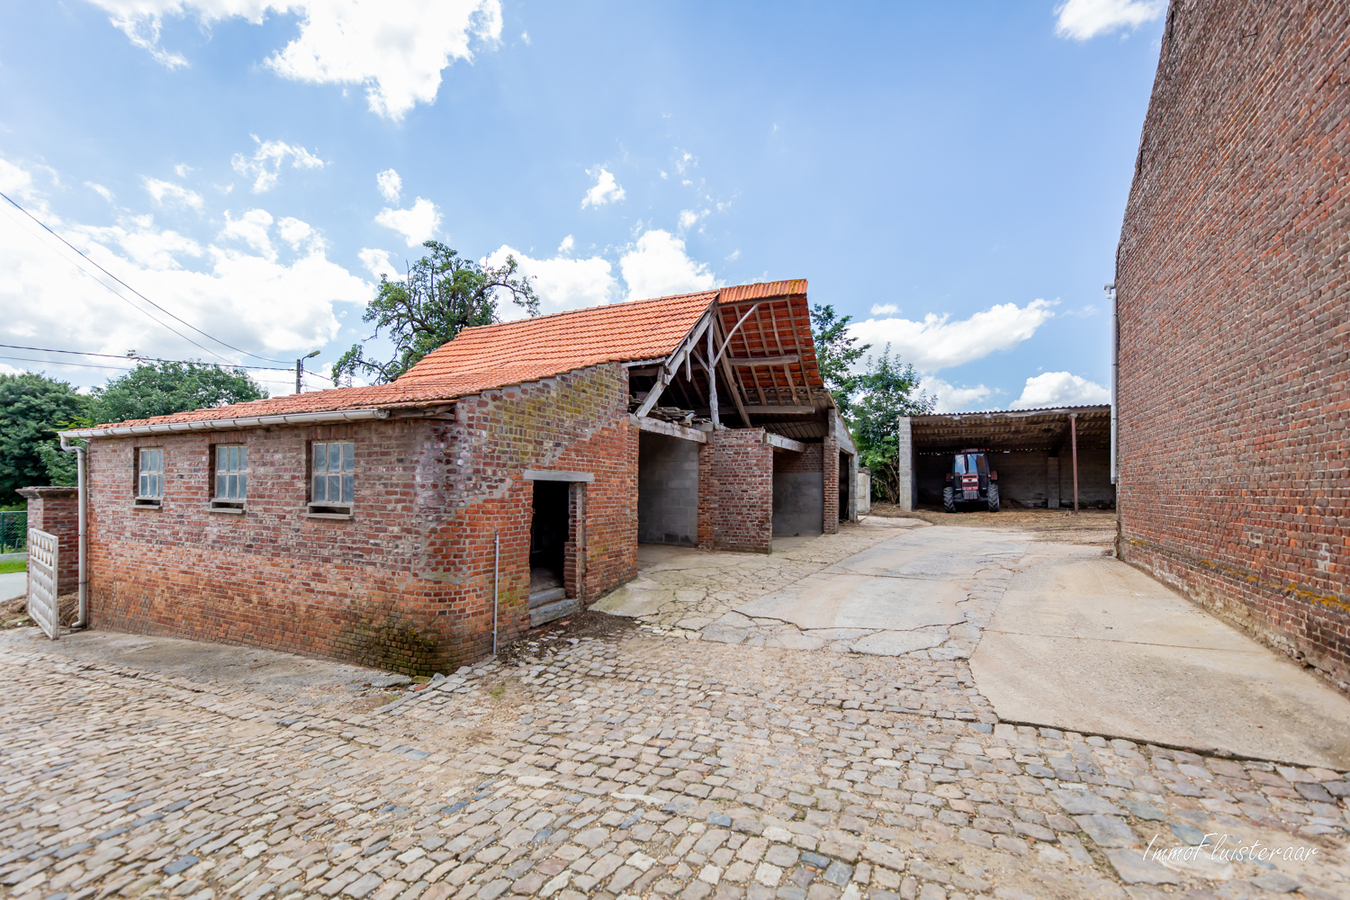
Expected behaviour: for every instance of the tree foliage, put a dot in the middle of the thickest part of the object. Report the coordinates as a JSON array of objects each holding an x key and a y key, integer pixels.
[
  {"x": 888, "y": 390},
  {"x": 33, "y": 408},
  {"x": 158, "y": 389},
  {"x": 442, "y": 295},
  {"x": 837, "y": 353}
]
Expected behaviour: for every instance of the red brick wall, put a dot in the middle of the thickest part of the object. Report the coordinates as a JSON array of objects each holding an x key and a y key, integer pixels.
[
  {"x": 1234, "y": 395},
  {"x": 809, "y": 460},
  {"x": 830, "y": 462},
  {"x": 407, "y": 582},
  {"x": 735, "y": 506},
  {"x": 56, "y": 510}
]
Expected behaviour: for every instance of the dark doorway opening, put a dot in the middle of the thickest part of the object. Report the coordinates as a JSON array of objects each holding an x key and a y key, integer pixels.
[
  {"x": 845, "y": 485},
  {"x": 550, "y": 529}
]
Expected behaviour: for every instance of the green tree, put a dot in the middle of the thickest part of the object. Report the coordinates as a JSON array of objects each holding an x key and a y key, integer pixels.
[
  {"x": 159, "y": 389},
  {"x": 889, "y": 390},
  {"x": 443, "y": 294},
  {"x": 836, "y": 354},
  {"x": 33, "y": 408}
]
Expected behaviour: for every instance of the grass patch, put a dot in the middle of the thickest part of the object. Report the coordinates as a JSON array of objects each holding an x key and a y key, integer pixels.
[{"x": 8, "y": 567}]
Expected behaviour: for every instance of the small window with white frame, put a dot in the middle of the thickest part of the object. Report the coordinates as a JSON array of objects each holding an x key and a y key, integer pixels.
[
  {"x": 332, "y": 478},
  {"x": 149, "y": 477},
  {"x": 231, "y": 471}
]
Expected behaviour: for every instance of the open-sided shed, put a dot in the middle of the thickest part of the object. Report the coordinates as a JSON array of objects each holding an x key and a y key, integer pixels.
[{"x": 1044, "y": 457}]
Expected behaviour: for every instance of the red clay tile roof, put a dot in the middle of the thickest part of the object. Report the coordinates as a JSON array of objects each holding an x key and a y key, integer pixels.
[{"x": 495, "y": 356}]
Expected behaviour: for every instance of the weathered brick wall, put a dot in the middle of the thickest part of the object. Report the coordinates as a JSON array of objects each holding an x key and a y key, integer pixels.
[
  {"x": 1234, "y": 395},
  {"x": 56, "y": 510},
  {"x": 830, "y": 465},
  {"x": 736, "y": 491},
  {"x": 406, "y": 583}
]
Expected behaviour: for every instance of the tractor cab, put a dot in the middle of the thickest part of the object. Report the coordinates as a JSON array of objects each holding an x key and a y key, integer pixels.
[{"x": 971, "y": 481}]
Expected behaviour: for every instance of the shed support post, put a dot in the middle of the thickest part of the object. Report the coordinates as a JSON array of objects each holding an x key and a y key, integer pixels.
[
  {"x": 904, "y": 465},
  {"x": 712, "y": 383},
  {"x": 1073, "y": 437}
]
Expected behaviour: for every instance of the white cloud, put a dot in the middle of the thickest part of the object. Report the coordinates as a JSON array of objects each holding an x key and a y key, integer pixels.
[
  {"x": 182, "y": 170},
  {"x": 1084, "y": 19},
  {"x": 377, "y": 263},
  {"x": 15, "y": 180},
  {"x": 241, "y": 296},
  {"x": 605, "y": 190},
  {"x": 100, "y": 190},
  {"x": 251, "y": 228},
  {"x": 264, "y": 167},
  {"x": 939, "y": 343},
  {"x": 950, "y": 398},
  {"x": 562, "y": 282},
  {"x": 567, "y": 244},
  {"x": 395, "y": 48},
  {"x": 296, "y": 232},
  {"x": 390, "y": 185},
  {"x": 1061, "y": 389},
  {"x": 658, "y": 266},
  {"x": 166, "y": 193},
  {"x": 884, "y": 309},
  {"x": 417, "y": 224}
]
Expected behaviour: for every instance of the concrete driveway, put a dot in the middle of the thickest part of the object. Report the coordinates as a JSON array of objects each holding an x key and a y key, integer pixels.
[
  {"x": 1058, "y": 635},
  {"x": 13, "y": 584}
]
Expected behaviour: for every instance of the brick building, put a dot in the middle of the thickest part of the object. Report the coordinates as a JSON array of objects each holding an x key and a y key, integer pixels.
[
  {"x": 515, "y": 469},
  {"x": 1233, "y": 301}
]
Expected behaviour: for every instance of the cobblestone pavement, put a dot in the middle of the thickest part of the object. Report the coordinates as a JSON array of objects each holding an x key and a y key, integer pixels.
[{"x": 631, "y": 764}]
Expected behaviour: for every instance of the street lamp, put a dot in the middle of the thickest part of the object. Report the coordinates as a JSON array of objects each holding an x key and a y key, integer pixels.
[{"x": 300, "y": 370}]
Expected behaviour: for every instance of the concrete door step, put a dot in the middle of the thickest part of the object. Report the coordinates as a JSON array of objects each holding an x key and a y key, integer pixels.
[
  {"x": 553, "y": 611},
  {"x": 546, "y": 596}
]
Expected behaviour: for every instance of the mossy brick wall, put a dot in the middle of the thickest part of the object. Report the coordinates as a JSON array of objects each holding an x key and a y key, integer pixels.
[
  {"x": 1232, "y": 279},
  {"x": 406, "y": 583},
  {"x": 735, "y": 505}
]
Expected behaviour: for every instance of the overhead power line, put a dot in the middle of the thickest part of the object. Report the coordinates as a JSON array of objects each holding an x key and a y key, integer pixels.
[
  {"x": 90, "y": 260},
  {"x": 140, "y": 358}
]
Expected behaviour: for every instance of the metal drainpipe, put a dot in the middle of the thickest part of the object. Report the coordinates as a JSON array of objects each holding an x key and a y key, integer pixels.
[
  {"x": 81, "y": 478},
  {"x": 1115, "y": 373},
  {"x": 496, "y": 564}
]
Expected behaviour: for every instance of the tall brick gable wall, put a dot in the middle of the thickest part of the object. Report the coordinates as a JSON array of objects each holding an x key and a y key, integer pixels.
[
  {"x": 56, "y": 510},
  {"x": 407, "y": 582},
  {"x": 1232, "y": 274}
]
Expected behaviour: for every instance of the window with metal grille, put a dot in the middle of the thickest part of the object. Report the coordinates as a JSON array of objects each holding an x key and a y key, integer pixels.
[
  {"x": 231, "y": 477},
  {"x": 149, "y": 477},
  {"x": 333, "y": 478}
]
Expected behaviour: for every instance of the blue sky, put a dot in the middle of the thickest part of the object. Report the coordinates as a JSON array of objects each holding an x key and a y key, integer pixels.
[{"x": 951, "y": 176}]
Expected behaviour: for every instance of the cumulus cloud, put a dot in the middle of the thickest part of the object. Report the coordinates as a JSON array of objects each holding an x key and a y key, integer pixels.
[
  {"x": 14, "y": 180},
  {"x": 264, "y": 166},
  {"x": 938, "y": 343},
  {"x": 390, "y": 185},
  {"x": 567, "y": 244},
  {"x": 377, "y": 263},
  {"x": 166, "y": 193},
  {"x": 249, "y": 298},
  {"x": 605, "y": 190},
  {"x": 417, "y": 224},
  {"x": 1084, "y": 19},
  {"x": 561, "y": 282},
  {"x": 295, "y": 232},
  {"x": 657, "y": 265},
  {"x": 884, "y": 309},
  {"x": 1061, "y": 389},
  {"x": 950, "y": 398},
  {"x": 395, "y": 48}
]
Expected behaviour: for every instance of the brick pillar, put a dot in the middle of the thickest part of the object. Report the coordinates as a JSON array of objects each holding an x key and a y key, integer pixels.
[
  {"x": 735, "y": 504},
  {"x": 830, "y": 470},
  {"x": 56, "y": 510}
]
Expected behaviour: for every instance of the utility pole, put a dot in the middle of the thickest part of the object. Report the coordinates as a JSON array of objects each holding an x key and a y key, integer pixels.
[
  {"x": 1073, "y": 432},
  {"x": 300, "y": 370}
]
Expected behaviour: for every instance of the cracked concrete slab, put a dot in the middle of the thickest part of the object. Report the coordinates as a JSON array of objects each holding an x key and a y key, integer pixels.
[{"x": 834, "y": 600}]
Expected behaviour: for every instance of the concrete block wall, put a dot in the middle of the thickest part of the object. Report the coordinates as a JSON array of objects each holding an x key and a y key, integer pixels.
[
  {"x": 1232, "y": 286},
  {"x": 667, "y": 490},
  {"x": 56, "y": 510},
  {"x": 798, "y": 491},
  {"x": 736, "y": 491}
]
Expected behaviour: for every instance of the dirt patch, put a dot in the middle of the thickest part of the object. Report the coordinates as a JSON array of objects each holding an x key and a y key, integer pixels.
[
  {"x": 14, "y": 613},
  {"x": 589, "y": 624},
  {"x": 1093, "y": 527}
]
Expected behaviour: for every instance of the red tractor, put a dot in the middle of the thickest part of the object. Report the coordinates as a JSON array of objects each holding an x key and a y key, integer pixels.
[{"x": 970, "y": 481}]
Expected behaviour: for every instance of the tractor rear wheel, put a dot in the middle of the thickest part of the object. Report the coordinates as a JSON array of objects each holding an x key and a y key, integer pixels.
[
  {"x": 993, "y": 497},
  {"x": 948, "y": 500}
]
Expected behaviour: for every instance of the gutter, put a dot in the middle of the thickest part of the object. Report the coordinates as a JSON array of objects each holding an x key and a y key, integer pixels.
[
  {"x": 310, "y": 418},
  {"x": 81, "y": 479}
]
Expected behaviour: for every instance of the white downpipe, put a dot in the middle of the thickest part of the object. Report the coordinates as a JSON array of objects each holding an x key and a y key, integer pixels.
[
  {"x": 1115, "y": 374},
  {"x": 496, "y": 566},
  {"x": 81, "y": 480},
  {"x": 310, "y": 418}
]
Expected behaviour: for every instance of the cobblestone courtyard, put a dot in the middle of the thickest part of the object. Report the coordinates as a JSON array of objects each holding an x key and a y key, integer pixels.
[{"x": 635, "y": 760}]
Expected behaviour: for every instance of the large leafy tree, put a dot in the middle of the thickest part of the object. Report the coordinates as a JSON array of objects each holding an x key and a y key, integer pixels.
[
  {"x": 33, "y": 408},
  {"x": 888, "y": 390},
  {"x": 837, "y": 353},
  {"x": 161, "y": 388},
  {"x": 443, "y": 294}
]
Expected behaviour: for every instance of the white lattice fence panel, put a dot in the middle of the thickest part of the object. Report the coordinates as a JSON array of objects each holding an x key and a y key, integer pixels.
[{"x": 42, "y": 560}]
